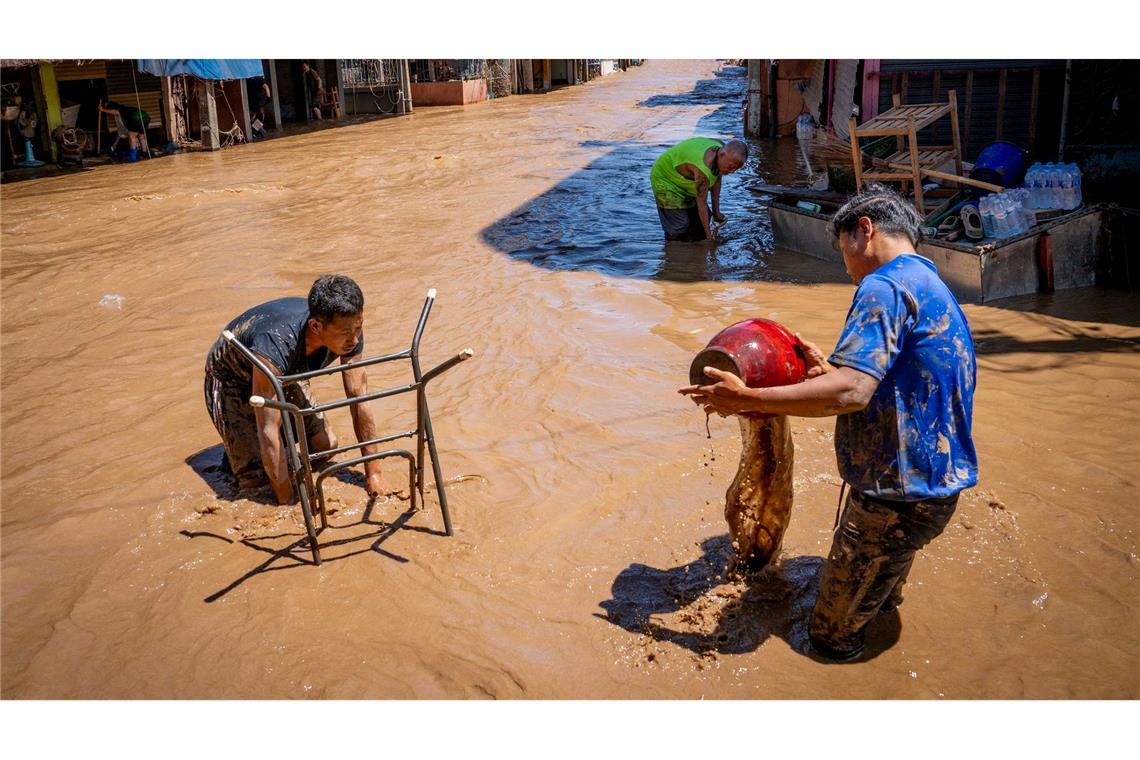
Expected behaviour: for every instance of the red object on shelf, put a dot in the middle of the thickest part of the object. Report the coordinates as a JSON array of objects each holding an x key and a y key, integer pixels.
[{"x": 760, "y": 352}]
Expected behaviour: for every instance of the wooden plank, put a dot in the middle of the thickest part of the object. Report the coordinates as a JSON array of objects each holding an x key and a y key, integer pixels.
[
  {"x": 1033, "y": 107},
  {"x": 962, "y": 180},
  {"x": 926, "y": 158},
  {"x": 957, "y": 145},
  {"x": 905, "y": 85},
  {"x": 1001, "y": 101},
  {"x": 797, "y": 192},
  {"x": 856, "y": 156},
  {"x": 969, "y": 106},
  {"x": 897, "y": 100},
  {"x": 937, "y": 85},
  {"x": 914, "y": 167}
]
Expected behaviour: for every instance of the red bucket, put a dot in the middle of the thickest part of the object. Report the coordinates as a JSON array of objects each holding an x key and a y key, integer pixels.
[{"x": 760, "y": 352}]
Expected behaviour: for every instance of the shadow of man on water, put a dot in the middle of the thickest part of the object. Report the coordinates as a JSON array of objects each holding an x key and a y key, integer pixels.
[{"x": 774, "y": 602}]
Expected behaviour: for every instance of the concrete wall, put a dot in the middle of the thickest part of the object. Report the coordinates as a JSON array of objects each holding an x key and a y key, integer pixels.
[{"x": 449, "y": 93}]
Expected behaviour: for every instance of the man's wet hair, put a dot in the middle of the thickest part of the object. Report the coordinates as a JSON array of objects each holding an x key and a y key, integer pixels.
[
  {"x": 888, "y": 211},
  {"x": 334, "y": 295}
]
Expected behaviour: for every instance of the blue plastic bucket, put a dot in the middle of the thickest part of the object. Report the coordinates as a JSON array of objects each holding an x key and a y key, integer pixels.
[{"x": 1000, "y": 163}]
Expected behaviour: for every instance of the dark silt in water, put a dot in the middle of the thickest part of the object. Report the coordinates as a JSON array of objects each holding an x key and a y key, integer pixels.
[{"x": 603, "y": 217}]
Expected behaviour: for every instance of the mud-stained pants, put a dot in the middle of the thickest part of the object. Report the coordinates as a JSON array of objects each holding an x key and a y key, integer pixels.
[
  {"x": 871, "y": 555},
  {"x": 236, "y": 423}
]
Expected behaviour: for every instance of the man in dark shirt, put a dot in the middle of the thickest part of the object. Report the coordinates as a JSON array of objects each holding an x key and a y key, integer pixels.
[{"x": 290, "y": 335}]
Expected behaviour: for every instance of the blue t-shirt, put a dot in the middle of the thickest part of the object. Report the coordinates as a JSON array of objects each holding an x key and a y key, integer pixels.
[{"x": 912, "y": 441}]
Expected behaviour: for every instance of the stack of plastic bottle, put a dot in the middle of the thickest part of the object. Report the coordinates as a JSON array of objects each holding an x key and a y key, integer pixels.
[
  {"x": 1054, "y": 186},
  {"x": 1006, "y": 214}
]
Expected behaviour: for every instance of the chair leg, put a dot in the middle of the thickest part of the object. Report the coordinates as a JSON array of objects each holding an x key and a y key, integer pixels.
[
  {"x": 412, "y": 464},
  {"x": 438, "y": 474},
  {"x": 307, "y": 513},
  {"x": 421, "y": 410}
]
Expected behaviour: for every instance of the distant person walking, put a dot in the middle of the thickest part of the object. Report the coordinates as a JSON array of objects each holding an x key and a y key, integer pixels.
[
  {"x": 313, "y": 81},
  {"x": 682, "y": 179}
]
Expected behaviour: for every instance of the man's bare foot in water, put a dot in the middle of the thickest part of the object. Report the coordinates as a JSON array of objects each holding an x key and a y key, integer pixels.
[{"x": 378, "y": 488}]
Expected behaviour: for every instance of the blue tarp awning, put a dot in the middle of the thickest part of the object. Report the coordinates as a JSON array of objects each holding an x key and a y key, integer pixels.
[{"x": 203, "y": 68}]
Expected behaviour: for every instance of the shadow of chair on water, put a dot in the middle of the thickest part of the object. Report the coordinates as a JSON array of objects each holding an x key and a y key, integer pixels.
[
  {"x": 211, "y": 466},
  {"x": 208, "y": 464},
  {"x": 776, "y": 602}
]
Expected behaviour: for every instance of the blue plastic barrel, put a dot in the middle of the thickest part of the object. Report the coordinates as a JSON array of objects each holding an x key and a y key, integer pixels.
[{"x": 1000, "y": 163}]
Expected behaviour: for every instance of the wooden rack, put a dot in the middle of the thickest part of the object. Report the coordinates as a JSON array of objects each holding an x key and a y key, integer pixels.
[{"x": 910, "y": 163}]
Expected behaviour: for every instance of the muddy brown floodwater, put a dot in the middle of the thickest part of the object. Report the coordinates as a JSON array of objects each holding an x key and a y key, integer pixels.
[{"x": 590, "y": 546}]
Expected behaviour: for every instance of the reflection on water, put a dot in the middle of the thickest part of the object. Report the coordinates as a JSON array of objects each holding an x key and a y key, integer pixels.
[{"x": 603, "y": 217}]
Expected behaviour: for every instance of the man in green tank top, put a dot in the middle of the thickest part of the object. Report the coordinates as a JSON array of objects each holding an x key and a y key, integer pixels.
[{"x": 682, "y": 178}]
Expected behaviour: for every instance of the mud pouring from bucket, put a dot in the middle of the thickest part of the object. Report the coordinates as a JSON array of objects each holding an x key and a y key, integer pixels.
[{"x": 758, "y": 503}]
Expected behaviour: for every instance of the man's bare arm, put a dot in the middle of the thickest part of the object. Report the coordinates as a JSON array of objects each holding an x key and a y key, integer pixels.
[
  {"x": 269, "y": 436},
  {"x": 841, "y": 391},
  {"x": 356, "y": 384},
  {"x": 702, "y": 204}
]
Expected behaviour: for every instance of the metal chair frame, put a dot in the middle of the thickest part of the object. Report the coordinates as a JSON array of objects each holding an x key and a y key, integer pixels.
[{"x": 301, "y": 462}]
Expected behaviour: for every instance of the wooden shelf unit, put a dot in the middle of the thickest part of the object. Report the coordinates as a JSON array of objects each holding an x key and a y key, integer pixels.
[{"x": 910, "y": 163}]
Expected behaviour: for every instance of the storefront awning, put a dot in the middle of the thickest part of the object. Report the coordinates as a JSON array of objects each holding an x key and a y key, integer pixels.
[{"x": 203, "y": 68}]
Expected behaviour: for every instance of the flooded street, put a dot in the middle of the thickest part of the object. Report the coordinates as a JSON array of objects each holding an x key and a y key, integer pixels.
[{"x": 590, "y": 546}]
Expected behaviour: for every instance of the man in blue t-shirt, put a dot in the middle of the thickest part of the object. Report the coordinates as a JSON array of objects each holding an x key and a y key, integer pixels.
[{"x": 901, "y": 381}]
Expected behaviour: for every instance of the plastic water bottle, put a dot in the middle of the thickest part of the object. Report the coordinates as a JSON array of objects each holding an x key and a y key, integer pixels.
[
  {"x": 1052, "y": 185},
  {"x": 987, "y": 215},
  {"x": 1001, "y": 217},
  {"x": 1035, "y": 181},
  {"x": 1027, "y": 209},
  {"x": 1071, "y": 183},
  {"x": 1015, "y": 214}
]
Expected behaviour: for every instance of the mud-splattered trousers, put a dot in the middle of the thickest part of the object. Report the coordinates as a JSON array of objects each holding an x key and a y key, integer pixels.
[
  {"x": 871, "y": 555},
  {"x": 228, "y": 405}
]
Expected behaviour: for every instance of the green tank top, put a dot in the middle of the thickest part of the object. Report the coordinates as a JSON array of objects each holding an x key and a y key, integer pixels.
[{"x": 670, "y": 187}]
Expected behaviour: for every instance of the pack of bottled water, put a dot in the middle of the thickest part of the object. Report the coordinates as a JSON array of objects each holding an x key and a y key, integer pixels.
[
  {"x": 1054, "y": 186},
  {"x": 1007, "y": 213}
]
